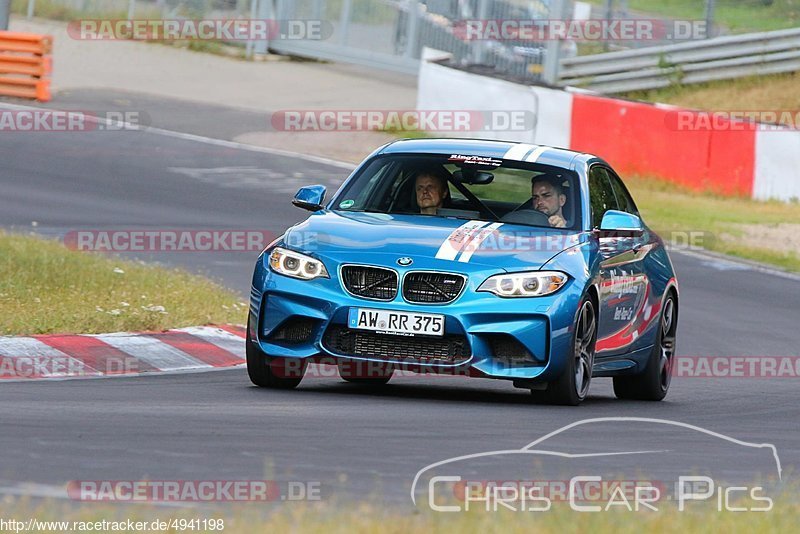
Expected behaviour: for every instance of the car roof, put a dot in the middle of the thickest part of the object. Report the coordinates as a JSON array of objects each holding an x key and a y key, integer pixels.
[{"x": 546, "y": 155}]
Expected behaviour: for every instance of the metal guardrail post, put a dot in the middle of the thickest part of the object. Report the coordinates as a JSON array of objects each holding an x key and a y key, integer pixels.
[
  {"x": 31, "y": 7},
  {"x": 131, "y": 9},
  {"x": 710, "y": 18},
  {"x": 316, "y": 10},
  {"x": 478, "y": 55},
  {"x": 248, "y": 49},
  {"x": 5, "y": 10},
  {"x": 412, "y": 29},
  {"x": 609, "y": 14},
  {"x": 266, "y": 12},
  {"x": 552, "y": 57},
  {"x": 344, "y": 21}
]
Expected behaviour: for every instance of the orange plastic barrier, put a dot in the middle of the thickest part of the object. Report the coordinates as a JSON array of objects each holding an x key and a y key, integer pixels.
[{"x": 25, "y": 65}]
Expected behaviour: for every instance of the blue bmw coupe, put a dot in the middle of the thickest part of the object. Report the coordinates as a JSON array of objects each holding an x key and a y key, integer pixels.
[{"x": 487, "y": 258}]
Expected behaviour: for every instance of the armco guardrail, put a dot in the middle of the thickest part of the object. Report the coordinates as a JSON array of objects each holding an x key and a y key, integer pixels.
[
  {"x": 720, "y": 58},
  {"x": 25, "y": 65}
]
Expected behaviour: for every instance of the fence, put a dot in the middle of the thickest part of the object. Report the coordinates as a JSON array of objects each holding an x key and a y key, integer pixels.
[
  {"x": 392, "y": 33},
  {"x": 388, "y": 34},
  {"x": 695, "y": 62}
]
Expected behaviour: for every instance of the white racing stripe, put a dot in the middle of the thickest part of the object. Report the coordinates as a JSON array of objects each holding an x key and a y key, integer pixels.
[
  {"x": 219, "y": 337},
  {"x": 533, "y": 156},
  {"x": 518, "y": 152},
  {"x": 457, "y": 239},
  {"x": 153, "y": 351},
  {"x": 477, "y": 241}
]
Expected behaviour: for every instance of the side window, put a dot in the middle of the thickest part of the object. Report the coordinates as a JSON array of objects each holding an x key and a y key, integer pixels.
[
  {"x": 601, "y": 194},
  {"x": 624, "y": 199}
]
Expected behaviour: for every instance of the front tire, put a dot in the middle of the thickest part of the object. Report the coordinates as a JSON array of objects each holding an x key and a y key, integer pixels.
[
  {"x": 653, "y": 383},
  {"x": 272, "y": 372},
  {"x": 572, "y": 387}
]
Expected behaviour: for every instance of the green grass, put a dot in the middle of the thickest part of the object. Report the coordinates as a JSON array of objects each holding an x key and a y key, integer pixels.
[
  {"x": 58, "y": 10},
  {"x": 735, "y": 16},
  {"x": 666, "y": 208},
  {"x": 772, "y": 93},
  {"x": 46, "y": 288},
  {"x": 357, "y": 518}
]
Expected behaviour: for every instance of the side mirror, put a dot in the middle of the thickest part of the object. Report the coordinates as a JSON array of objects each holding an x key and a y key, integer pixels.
[
  {"x": 310, "y": 197},
  {"x": 620, "y": 224}
]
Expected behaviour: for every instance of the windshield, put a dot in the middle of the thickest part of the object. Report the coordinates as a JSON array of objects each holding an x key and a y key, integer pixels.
[{"x": 465, "y": 187}]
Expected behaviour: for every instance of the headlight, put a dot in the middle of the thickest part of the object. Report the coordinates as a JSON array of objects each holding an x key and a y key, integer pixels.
[
  {"x": 296, "y": 265},
  {"x": 530, "y": 284}
]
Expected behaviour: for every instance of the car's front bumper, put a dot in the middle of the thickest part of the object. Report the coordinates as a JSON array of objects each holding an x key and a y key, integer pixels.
[{"x": 509, "y": 338}]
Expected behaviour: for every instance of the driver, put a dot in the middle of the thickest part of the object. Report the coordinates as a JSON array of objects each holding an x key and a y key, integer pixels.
[
  {"x": 547, "y": 196},
  {"x": 431, "y": 191}
]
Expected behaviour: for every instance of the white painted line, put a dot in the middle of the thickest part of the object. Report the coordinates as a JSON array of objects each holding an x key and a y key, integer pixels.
[
  {"x": 151, "y": 350},
  {"x": 198, "y": 138},
  {"x": 709, "y": 256},
  {"x": 126, "y": 375},
  {"x": 219, "y": 337}
]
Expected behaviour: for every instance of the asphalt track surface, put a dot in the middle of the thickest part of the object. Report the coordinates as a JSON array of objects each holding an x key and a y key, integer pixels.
[{"x": 357, "y": 443}]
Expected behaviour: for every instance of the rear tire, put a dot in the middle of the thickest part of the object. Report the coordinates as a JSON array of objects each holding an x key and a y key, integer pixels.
[
  {"x": 572, "y": 387},
  {"x": 653, "y": 383},
  {"x": 272, "y": 372}
]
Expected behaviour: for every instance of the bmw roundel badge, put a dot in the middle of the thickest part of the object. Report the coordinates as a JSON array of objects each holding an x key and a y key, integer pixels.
[{"x": 405, "y": 261}]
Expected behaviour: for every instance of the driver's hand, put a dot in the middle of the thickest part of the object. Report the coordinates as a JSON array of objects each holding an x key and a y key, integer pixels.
[{"x": 557, "y": 221}]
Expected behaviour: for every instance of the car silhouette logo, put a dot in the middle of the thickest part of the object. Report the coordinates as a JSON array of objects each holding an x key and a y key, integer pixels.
[{"x": 405, "y": 261}]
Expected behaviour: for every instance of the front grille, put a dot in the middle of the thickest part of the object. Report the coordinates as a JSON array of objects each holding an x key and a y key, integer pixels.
[
  {"x": 447, "y": 349},
  {"x": 370, "y": 282},
  {"x": 427, "y": 287},
  {"x": 293, "y": 331}
]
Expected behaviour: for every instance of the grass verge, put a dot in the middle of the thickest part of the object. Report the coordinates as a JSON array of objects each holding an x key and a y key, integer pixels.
[
  {"x": 46, "y": 288},
  {"x": 771, "y": 93},
  {"x": 368, "y": 518},
  {"x": 750, "y": 229},
  {"x": 734, "y": 16}
]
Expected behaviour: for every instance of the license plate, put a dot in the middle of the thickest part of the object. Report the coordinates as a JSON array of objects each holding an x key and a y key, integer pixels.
[{"x": 396, "y": 322}]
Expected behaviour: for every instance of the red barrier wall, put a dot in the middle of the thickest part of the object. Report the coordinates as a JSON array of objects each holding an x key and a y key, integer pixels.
[{"x": 647, "y": 140}]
